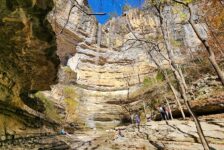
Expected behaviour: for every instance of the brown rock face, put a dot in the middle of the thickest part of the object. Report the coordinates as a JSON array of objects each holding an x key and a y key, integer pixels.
[
  {"x": 27, "y": 45},
  {"x": 71, "y": 29},
  {"x": 28, "y": 60}
]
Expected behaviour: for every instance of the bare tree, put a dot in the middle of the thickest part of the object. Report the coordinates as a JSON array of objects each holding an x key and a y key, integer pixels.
[
  {"x": 82, "y": 9},
  {"x": 151, "y": 46},
  {"x": 176, "y": 70},
  {"x": 168, "y": 104},
  {"x": 174, "y": 91},
  {"x": 210, "y": 51}
]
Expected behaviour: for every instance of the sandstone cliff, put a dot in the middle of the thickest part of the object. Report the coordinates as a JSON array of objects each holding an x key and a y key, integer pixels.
[
  {"x": 28, "y": 59},
  {"x": 112, "y": 71},
  {"x": 105, "y": 72}
]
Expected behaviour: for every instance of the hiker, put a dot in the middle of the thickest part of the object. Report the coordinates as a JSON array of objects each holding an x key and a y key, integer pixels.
[
  {"x": 62, "y": 132},
  {"x": 166, "y": 112},
  {"x": 162, "y": 113},
  {"x": 137, "y": 121}
]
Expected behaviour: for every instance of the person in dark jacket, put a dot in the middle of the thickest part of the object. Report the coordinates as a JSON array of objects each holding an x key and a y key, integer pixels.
[{"x": 162, "y": 113}]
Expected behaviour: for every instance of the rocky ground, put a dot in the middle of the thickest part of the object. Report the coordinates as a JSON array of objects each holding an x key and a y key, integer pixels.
[
  {"x": 98, "y": 78},
  {"x": 176, "y": 135}
]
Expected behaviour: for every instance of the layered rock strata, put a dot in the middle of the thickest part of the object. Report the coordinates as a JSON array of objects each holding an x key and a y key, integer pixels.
[
  {"x": 111, "y": 71},
  {"x": 28, "y": 59}
]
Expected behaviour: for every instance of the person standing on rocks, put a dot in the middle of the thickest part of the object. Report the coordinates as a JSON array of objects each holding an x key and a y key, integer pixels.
[
  {"x": 162, "y": 113},
  {"x": 62, "y": 131},
  {"x": 167, "y": 115},
  {"x": 137, "y": 121}
]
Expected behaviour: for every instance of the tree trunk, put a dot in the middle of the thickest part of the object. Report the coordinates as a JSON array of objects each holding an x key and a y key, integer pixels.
[
  {"x": 198, "y": 126},
  {"x": 144, "y": 107},
  {"x": 170, "y": 111},
  {"x": 182, "y": 77},
  {"x": 5, "y": 125},
  {"x": 207, "y": 47},
  {"x": 216, "y": 67},
  {"x": 181, "y": 81},
  {"x": 184, "y": 95},
  {"x": 170, "y": 85},
  {"x": 178, "y": 101}
]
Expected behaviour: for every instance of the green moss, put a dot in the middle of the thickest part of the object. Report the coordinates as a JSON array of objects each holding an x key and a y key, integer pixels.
[
  {"x": 67, "y": 69},
  {"x": 189, "y": 1},
  {"x": 50, "y": 110},
  {"x": 148, "y": 81},
  {"x": 176, "y": 43},
  {"x": 69, "y": 92},
  {"x": 183, "y": 16},
  {"x": 8, "y": 19},
  {"x": 159, "y": 76},
  {"x": 71, "y": 105},
  {"x": 180, "y": 12},
  {"x": 23, "y": 3}
]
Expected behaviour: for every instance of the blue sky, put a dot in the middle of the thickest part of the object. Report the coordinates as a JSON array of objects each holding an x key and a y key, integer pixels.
[{"x": 111, "y": 7}]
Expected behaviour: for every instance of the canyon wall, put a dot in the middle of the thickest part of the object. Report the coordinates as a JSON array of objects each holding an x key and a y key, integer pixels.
[
  {"x": 104, "y": 72},
  {"x": 28, "y": 60},
  {"x": 111, "y": 72}
]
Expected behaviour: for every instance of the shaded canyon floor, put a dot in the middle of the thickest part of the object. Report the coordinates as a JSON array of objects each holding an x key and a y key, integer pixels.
[{"x": 176, "y": 135}]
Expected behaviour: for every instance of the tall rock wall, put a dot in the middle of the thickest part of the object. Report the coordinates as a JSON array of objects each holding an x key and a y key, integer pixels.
[
  {"x": 28, "y": 60},
  {"x": 72, "y": 26},
  {"x": 111, "y": 71}
]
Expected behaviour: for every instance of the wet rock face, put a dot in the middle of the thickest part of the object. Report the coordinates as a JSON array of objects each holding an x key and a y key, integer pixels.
[{"x": 27, "y": 48}]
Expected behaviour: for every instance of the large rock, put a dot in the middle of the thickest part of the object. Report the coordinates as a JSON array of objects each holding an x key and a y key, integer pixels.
[
  {"x": 71, "y": 28},
  {"x": 28, "y": 53},
  {"x": 28, "y": 60}
]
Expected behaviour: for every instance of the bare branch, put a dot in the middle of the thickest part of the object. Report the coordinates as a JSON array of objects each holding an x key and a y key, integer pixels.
[{"x": 77, "y": 5}]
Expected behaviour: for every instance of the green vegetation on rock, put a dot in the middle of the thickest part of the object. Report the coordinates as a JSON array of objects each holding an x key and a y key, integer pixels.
[
  {"x": 148, "y": 81},
  {"x": 71, "y": 102},
  {"x": 50, "y": 109}
]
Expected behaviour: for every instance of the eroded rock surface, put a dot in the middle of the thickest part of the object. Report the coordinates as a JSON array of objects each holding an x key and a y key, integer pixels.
[
  {"x": 176, "y": 135},
  {"x": 28, "y": 57},
  {"x": 111, "y": 71}
]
